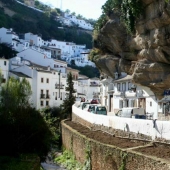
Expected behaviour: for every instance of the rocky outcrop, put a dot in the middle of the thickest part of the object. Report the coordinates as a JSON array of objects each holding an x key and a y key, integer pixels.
[{"x": 144, "y": 55}]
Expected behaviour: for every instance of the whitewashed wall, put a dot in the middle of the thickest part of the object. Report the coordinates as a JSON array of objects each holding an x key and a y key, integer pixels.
[{"x": 146, "y": 127}]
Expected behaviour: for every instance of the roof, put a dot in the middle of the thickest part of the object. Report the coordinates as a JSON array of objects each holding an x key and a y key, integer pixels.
[
  {"x": 60, "y": 61},
  {"x": 50, "y": 47},
  {"x": 82, "y": 76},
  {"x": 37, "y": 66},
  {"x": 20, "y": 74},
  {"x": 44, "y": 71},
  {"x": 69, "y": 68},
  {"x": 95, "y": 78},
  {"x": 128, "y": 77}
]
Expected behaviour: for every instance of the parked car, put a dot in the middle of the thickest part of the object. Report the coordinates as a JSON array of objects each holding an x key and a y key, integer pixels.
[
  {"x": 83, "y": 105},
  {"x": 95, "y": 101},
  {"x": 132, "y": 112},
  {"x": 101, "y": 110},
  {"x": 90, "y": 107}
]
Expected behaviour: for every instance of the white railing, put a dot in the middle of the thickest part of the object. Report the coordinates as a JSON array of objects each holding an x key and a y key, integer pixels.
[{"x": 159, "y": 129}]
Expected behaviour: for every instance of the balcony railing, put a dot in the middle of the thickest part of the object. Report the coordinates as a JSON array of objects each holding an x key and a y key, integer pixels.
[
  {"x": 47, "y": 96},
  {"x": 57, "y": 86},
  {"x": 42, "y": 96}
]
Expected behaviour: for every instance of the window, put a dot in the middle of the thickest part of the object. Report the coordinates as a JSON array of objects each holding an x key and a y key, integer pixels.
[
  {"x": 129, "y": 85},
  {"x": 42, "y": 80},
  {"x": 42, "y": 103},
  {"x": 5, "y": 63},
  {"x": 124, "y": 86},
  {"x": 47, "y": 81},
  {"x": 47, "y": 103},
  {"x": 56, "y": 96},
  {"x": 118, "y": 86},
  {"x": 150, "y": 103}
]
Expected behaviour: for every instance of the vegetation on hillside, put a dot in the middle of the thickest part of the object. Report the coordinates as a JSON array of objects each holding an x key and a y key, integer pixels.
[
  {"x": 129, "y": 10},
  {"x": 44, "y": 24},
  {"x": 88, "y": 71},
  {"x": 6, "y": 51}
]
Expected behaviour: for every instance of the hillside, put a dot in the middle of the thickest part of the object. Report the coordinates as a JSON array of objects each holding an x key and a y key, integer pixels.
[{"x": 23, "y": 19}]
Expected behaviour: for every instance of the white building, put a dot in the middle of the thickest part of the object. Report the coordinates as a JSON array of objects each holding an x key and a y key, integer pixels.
[
  {"x": 34, "y": 39},
  {"x": 121, "y": 92},
  {"x": 4, "y": 69},
  {"x": 48, "y": 85},
  {"x": 79, "y": 22},
  {"x": 90, "y": 87},
  {"x": 38, "y": 58},
  {"x": 82, "y": 60}
]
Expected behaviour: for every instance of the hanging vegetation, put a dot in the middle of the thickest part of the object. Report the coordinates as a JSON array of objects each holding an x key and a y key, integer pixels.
[{"x": 129, "y": 10}]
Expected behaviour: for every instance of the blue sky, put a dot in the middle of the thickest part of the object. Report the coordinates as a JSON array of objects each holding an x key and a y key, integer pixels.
[{"x": 86, "y": 8}]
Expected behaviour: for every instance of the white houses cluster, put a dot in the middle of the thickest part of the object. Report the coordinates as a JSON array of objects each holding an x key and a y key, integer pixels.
[
  {"x": 47, "y": 78},
  {"x": 121, "y": 92},
  {"x": 71, "y": 20},
  {"x": 67, "y": 51}
]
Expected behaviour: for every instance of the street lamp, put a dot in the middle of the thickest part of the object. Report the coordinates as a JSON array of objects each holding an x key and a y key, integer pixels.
[{"x": 59, "y": 82}]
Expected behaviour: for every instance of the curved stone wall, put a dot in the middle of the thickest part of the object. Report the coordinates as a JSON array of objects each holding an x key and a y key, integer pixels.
[{"x": 103, "y": 156}]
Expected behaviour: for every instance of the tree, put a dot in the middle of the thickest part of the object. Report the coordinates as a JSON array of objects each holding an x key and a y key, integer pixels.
[
  {"x": 70, "y": 98},
  {"x": 23, "y": 128},
  {"x": 73, "y": 13},
  {"x": 15, "y": 94},
  {"x": 6, "y": 51},
  {"x": 67, "y": 11}
]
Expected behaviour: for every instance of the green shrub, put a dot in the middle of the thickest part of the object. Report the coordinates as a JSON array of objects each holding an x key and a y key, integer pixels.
[
  {"x": 24, "y": 131},
  {"x": 67, "y": 159}
]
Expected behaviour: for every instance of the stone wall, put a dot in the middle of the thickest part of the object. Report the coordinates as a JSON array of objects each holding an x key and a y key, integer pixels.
[{"x": 108, "y": 157}]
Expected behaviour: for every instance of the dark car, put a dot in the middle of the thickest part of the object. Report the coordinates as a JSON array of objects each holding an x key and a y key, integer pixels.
[{"x": 101, "y": 110}]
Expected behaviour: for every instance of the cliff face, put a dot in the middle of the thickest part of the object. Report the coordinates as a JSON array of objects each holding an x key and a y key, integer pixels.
[{"x": 145, "y": 55}]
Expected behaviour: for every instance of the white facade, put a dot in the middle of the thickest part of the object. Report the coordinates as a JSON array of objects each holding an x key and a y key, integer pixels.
[
  {"x": 90, "y": 87},
  {"x": 45, "y": 85},
  {"x": 79, "y": 22},
  {"x": 34, "y": 39},
  {"x": 40, "y": 59},
  {"x": 83, "y": 60},
  {"x": 121, "y": 92},
  {"x": 9, "y": 37},
  {"x": 4, "y": 69}
]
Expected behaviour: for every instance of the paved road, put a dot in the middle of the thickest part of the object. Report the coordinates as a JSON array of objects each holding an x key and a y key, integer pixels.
[{"x": 48, "y": 166}]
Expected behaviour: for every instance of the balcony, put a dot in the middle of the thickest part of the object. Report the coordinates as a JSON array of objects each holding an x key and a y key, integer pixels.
[
  {"x": 42, "y": 96},
  {"x": 59, "y": 86},
  {"x": 47, "y": 96}
]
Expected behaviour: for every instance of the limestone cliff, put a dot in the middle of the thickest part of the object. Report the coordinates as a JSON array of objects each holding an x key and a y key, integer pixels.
[{"x": 144, "y": 55}]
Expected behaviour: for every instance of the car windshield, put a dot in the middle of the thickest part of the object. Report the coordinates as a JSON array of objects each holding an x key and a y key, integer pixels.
[{"x": 101, "y": 109}]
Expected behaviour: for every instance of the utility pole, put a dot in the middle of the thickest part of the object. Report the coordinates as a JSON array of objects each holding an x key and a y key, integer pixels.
[{"x": 59, "y": 83}]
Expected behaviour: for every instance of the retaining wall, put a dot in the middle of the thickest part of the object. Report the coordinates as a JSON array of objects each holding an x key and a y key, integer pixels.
[{"x": 103, "y": 156}]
